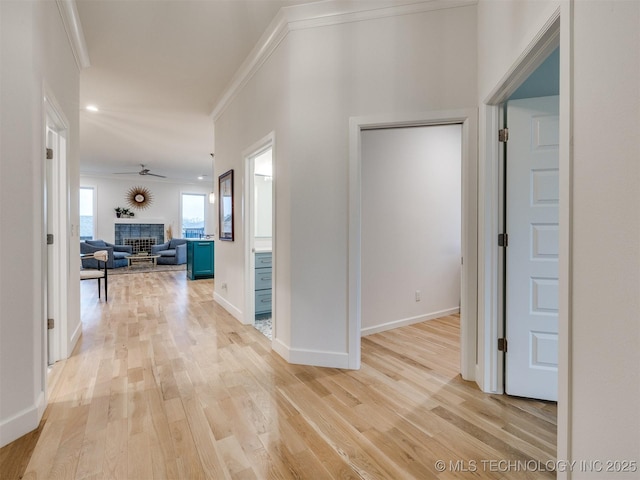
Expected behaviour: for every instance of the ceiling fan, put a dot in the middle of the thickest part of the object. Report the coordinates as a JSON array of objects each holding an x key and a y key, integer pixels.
[{"x": 144, "y": 171}]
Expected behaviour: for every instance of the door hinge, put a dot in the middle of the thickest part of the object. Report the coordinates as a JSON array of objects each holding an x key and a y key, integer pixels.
[
  {"x": 50, "y": 323},
  {"x": 503, "y": 135},
  {"x": 503, "y": 240},
  {"x": 49, "y": 153},
  {"x": 502, "y": 345},
  {"x": 49, "y": 238}
]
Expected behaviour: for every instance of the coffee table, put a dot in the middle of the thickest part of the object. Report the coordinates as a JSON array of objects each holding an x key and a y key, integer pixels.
[{"x": 135, "y": 259}]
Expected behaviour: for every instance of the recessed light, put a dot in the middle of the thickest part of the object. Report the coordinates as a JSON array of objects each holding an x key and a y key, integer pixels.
[
  {"x": 200, "y": 177},
  {"x": 92, "y": 108}
]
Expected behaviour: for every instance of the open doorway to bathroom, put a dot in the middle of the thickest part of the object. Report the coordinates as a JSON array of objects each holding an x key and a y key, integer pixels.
[{"x": 260, "y": 189}]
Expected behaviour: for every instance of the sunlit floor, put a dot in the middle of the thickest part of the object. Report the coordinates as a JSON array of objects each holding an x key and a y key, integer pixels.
[{"x": 164, "y": 383}]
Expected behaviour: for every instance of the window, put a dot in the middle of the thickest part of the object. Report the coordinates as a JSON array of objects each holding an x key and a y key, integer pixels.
[
  {"x": 87, "y": 213},
  {"x": 193, "y": 205}
]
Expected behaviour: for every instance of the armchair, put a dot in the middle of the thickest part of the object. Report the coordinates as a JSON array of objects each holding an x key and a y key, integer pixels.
[
  {"x": 88, "y": 274},
  {"x": 117, "y": 254},
  {"x": 173, "y": 252}
]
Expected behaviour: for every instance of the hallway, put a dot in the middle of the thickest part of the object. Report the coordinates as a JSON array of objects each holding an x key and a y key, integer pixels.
[{"x": 164, "y": 383}]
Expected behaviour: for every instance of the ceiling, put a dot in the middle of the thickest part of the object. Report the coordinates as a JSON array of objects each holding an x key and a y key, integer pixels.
[{"x": 157, "y": 70}]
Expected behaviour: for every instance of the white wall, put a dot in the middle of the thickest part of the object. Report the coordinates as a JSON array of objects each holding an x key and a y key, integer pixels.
[
  {"x": 165, "y": 207},
  {"x": 260, "y": 110},
  {"x": 505, "y": 29},
  {"x": 306, "y": 92},
  {"x": 605, "y": 375},
  {"x": 599, "y": 418},
  {"x": 35, "y": 54},
  {"x": 411, "y": 225},
  {"x": 264, "y": 206}
]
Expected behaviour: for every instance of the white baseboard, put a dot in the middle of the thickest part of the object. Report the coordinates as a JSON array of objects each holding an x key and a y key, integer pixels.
[
  {"x": 22, "y": 423},
  {"x": 280, "y": 348},
  {"x": 74, "y": 340},
  {"x": 229, "y": 307},
  {"x": 315, "y": 358},
  {"x": 408, "y": 321}
]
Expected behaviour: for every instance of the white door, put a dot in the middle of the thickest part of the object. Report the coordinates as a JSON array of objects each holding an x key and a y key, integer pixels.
[{"x": 531, "y": 307}]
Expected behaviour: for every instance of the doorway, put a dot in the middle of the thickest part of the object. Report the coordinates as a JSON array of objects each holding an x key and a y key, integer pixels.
[
  {"x": 468, "y": 298},
  {"x": 529, "y": 204},
  {"x": 259, "y": 198},
  {"x": 411, "y": 225},
  {"x": 491, "y": 364},
  {"x": 55, "y": 220}
]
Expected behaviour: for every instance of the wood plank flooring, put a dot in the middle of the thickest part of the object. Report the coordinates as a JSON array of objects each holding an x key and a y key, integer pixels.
[{"x": 166, "y": 384}]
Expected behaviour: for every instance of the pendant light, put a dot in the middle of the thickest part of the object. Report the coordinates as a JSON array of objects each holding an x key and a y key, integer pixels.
[{"x": 212, "y": 195}]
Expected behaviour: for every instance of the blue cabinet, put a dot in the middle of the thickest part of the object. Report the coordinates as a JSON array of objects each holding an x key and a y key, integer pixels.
[
  {"x": 263, "y": 283},
  {"x": 200, "y": 255}
]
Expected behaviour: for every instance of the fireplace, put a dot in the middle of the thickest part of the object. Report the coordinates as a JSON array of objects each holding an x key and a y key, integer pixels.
[
  {"x": 139, "y": 235},
  {"x": 141, "y": 244}
]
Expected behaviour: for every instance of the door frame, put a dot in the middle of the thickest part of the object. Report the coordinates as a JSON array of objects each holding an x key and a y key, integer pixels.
[
  {"x": 556, "y": 31},
  {"x": 468, "y": 313},
  {"x": 55, "y": 121},
  {"x": 490, "y": 372},
  {"x": 249, "y": 154}
]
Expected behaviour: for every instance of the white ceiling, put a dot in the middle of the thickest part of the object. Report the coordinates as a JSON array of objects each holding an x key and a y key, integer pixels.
[{"x": 157, "y": 70}]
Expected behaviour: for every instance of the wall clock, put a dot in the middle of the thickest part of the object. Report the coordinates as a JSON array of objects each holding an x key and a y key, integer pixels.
[{"x": 139, "y": 197}]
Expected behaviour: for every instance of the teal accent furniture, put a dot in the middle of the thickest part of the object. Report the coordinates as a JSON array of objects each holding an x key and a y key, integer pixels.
[
  {"x": 200, "y": 256},
  {"x": 263, "y": 283}
]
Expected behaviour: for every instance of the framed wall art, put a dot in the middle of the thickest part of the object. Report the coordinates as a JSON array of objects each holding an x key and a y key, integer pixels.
[{"x": 139, "y": 197}]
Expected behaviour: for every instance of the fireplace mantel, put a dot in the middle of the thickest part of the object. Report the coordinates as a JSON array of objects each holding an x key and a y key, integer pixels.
[{"x": 136, "y": 220}]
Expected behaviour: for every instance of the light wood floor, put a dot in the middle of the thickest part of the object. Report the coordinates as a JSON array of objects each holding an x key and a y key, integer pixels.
[{"x": 165, "y": 384}]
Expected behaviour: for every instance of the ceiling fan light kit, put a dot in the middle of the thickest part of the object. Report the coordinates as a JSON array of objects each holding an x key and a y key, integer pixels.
[
  {"x": 143, "y": 171},
  {"x": 212, "y": 195}
]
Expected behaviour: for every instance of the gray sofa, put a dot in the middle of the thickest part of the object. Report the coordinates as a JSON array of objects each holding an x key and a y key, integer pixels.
[
  {"x": 173, "y": 252},
  {"x": 117, "y": 253}
]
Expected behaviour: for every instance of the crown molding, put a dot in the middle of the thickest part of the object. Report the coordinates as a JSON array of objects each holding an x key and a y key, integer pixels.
[
  {"x": 73, "y": 27},
  {"x": 275, "y": 33},
  {"x": 335, "y": 12},
  {"x": 320, "y": 14}
]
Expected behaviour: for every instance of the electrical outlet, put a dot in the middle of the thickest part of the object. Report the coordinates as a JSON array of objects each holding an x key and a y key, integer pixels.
[
  {"x": 223, "y": 286},
  {"x": 418, "y": 296}
]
